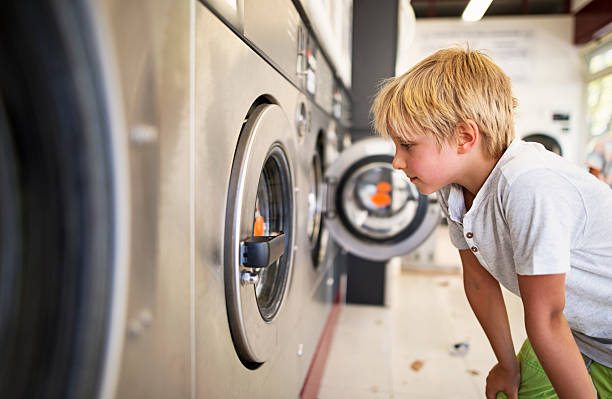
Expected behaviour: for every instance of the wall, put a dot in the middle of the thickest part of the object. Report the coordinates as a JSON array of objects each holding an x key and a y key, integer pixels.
[{"x": 538, "y": 55}]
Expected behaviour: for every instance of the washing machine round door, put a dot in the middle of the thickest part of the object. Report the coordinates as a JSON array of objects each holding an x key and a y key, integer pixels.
[
  {"x": 316, "y": 233},
  {"x": 259, "y": 232},
  {"x": 548, "y": 141},
  {"x": 61, "y": 262},
  {"x": 373, "y": 210}
]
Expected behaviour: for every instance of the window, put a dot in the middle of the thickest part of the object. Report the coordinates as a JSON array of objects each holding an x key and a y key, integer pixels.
[{"x": 598, "y": 58}]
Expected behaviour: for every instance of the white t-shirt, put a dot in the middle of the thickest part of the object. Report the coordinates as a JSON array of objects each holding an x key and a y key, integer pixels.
[{"x": 539, "y": 214}]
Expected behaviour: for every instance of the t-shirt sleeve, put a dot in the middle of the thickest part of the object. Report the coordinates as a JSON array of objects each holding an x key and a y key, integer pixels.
[
  {"x": 542, "y": 213},
  {"x": 455, "y": 230}
]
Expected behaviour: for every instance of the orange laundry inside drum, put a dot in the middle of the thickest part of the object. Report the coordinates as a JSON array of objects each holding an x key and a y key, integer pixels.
[
  {"x": 383, "y": 187},
  {"x": 381, "y": 200},
  {"x": 259, "y": 227}
]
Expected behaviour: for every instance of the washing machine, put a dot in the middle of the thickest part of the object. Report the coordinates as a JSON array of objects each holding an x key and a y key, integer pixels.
[
  {"x": 556, "y": 131},
  {"x": 547, "y": 140},
  {"x": 257, "y": 224},
  {"x": 96, "y": 272},
  {"x": 321, "y": 280}
]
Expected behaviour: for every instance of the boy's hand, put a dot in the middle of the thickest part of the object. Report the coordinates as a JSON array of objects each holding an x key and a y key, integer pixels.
[{"x": 503, "y": 379}]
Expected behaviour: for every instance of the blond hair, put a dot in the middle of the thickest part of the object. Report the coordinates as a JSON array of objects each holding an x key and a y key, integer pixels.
[{"x": 449, "y": 87}]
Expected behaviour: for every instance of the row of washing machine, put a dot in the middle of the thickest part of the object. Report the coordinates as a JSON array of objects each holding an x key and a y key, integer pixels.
[{"x": 173, "y": 185}]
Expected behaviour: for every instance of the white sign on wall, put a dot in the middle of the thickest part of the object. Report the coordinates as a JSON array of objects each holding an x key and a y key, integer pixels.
[
  {"x": 538, "y": 55},
  {"x": 511, "y": 48}
]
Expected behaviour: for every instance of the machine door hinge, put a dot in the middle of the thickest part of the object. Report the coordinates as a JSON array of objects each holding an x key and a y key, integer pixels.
[{"x": 328, "y": 192}]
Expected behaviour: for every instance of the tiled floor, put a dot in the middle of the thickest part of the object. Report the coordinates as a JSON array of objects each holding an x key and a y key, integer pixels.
[{"x": 376, "y": 351}]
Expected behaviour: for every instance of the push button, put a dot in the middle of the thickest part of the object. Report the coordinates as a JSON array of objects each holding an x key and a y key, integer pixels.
[
  {"x": 469, "y": 235},
  {"x": 474, "y": 249}
]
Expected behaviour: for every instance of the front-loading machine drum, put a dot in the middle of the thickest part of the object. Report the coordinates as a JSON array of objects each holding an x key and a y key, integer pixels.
[
  {"x": 547, "y": 140},
  {"x": 373, "y": 210}
]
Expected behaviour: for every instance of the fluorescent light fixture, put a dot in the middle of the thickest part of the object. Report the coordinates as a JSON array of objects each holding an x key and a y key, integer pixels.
[{"x": 475, "y": 10}]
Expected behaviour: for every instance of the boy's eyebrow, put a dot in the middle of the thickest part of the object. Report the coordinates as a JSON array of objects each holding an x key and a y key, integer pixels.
[{"x": 406, "y": 140}]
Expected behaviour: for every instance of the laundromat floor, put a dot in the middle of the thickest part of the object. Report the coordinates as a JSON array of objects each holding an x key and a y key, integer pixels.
[{"x": 425, "y": 344}]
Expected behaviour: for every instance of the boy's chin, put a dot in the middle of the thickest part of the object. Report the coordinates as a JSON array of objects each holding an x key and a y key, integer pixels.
[{"x": 425, "y": 190}]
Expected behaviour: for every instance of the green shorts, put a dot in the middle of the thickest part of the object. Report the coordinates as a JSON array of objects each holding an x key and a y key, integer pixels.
[{"x": 535, "y": 383}]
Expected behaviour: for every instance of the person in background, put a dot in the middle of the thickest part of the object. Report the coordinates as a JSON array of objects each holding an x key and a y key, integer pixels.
[
  {"x": 599, "y": 161},
  {"x": 519, "y": 215}
]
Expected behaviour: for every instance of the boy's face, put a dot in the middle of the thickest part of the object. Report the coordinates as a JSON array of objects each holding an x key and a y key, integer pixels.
[{"x": 429, "y": 167}]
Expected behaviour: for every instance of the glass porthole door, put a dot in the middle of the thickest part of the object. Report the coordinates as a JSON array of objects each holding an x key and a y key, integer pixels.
[
  {"x": 262, "y": 261},
  {"x": 373, "y": 210}
]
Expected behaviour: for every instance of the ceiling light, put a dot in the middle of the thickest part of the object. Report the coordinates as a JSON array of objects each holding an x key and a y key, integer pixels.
[{"x": 475, "y": 10}]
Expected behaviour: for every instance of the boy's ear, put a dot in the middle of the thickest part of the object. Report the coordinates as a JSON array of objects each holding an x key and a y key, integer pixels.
[{"x": 467, "y": 135}]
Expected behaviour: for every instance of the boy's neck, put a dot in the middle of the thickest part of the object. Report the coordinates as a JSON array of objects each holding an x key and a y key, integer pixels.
[{"x": 477, "y": 173}]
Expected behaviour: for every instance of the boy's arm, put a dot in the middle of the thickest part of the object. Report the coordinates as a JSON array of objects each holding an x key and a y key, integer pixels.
[
  {"x": 543, "y": 300},
  {"x": 485, "y": 298}
]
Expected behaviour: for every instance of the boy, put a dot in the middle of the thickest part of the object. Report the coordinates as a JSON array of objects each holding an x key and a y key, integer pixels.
[{"x": 519, "y": 215}]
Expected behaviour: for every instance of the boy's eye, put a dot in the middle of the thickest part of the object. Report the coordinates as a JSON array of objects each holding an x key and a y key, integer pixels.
[{"x": 406, "y": 145}]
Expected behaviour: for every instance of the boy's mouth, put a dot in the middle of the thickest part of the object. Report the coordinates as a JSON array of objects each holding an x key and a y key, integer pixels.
[{"x": 411, "y": 178}]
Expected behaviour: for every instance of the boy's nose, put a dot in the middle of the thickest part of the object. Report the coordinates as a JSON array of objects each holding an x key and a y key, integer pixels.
[{"x": 397, "y": 163}]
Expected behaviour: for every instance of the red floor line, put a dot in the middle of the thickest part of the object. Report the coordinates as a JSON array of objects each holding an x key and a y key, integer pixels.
[{"x": 312, "y": 384}]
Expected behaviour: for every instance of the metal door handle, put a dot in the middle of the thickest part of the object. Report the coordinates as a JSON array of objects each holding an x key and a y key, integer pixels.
[{"x": 262, "y": 251}]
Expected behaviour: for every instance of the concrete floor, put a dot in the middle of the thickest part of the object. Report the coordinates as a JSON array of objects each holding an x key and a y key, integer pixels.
[{"x": 403, "y": 350}]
